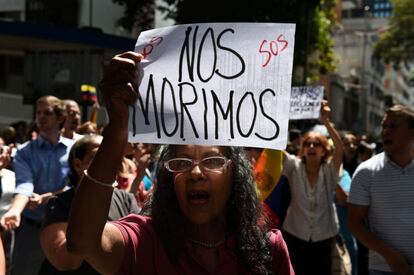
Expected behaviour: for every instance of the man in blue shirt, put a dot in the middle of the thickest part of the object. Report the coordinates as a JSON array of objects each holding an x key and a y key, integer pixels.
[{"x": 41, "y": 169}]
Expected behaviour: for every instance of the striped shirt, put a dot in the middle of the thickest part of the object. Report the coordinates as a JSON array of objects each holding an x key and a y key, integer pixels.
[{"x": 388, "y": 190}]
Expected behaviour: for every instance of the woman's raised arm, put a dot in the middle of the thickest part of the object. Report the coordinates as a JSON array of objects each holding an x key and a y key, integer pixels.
[
  {"x": 88, "y": 234},
  {"x": 339, "y": 147}
]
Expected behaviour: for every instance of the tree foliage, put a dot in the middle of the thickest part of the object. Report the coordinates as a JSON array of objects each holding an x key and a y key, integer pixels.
[
  {"x": 397, "y": 43},
  {"x": 314, "y": 21},
  {"x": 138, "y": 14}
]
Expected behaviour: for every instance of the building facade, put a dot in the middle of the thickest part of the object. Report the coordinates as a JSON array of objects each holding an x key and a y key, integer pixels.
[
  {"x": 363, "y": 86},
  {"x": 53, "y": 47}
]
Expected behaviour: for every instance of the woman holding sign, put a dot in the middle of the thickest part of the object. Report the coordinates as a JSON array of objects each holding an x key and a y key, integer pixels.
[
  {"x": 311, "y": 222},
  {"x": 201, "y": 219}
]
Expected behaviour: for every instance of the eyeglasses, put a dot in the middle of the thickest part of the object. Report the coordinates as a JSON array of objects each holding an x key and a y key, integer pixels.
[
  {"x": 314, "y": 143},
  {"x": 214, "y": 163},
  {"x": 73, "y": 113}
]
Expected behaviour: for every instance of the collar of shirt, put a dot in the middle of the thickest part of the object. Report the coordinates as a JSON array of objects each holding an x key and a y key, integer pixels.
[
  {"x": 41, "y": 141},
  {"x": 387, "y": 160}
]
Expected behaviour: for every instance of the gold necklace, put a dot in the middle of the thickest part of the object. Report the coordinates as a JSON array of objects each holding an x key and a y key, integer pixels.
[{"x": 206, "y": 245}]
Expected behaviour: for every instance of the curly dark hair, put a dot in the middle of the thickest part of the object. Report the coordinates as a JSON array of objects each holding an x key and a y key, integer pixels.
[{"x": 243, "y": 213}]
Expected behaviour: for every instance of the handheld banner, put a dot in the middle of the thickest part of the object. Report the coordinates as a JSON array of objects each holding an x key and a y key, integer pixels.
[
  {"x": 305, "y": 102},
  {"x": 214, "y": 84}
]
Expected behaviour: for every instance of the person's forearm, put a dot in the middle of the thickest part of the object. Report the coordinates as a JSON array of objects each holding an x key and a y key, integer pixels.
[
  {"x": 137, "y": 181},
  {"x": 46, "y": 196},
  {"x": 338, "y": 145},
  {"x": 341, "y": 195},
  {"x": 135, "y": 184},
  {"x": 333, "y": 133},
  {"x": 90, "y": 207},
  {"x": 19, "y": 203},
  {"x": 367, "y": 238}
]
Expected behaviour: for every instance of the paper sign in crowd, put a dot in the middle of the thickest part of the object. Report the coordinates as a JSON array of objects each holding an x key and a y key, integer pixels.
[
  {"x": 305, "y": 102},
  {"x": 216, "y": 84}
]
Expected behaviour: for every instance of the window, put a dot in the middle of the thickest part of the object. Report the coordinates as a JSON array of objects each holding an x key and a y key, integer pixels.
[
  {"x": 61, "y": 13},
  {"x": 3, "y": 78},
  {"x": 15, "y": 65},
  {"x": 10, "y": 16},
  {"x": 10, "y": 65}
]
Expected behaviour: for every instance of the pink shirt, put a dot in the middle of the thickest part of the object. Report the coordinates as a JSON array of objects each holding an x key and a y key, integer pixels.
[{"x": 145, "y": 254}]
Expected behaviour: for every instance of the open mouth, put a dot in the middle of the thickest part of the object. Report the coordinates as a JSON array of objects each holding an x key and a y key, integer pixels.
[{"x": 198, "y": 197}]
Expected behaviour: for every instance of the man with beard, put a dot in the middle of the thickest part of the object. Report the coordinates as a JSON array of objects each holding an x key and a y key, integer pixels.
[{"x": 72, "y": 120}]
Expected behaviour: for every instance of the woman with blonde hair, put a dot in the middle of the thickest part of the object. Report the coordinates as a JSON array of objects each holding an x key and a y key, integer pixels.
[{"x": 311, "y": 222}]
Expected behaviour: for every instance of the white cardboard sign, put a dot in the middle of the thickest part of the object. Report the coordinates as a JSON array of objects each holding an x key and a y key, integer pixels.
[
  {"x": 215, "y": 84},
  {"x": 305, "y": 102}
]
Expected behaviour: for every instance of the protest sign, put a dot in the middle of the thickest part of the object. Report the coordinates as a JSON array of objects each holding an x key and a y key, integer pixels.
[
  {"x": 305, "y": 102},
  {"x": 215, "y": 84}
]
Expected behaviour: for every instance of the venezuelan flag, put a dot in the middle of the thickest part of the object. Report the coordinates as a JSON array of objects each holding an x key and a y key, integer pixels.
[{"x": 267, "y": 171}]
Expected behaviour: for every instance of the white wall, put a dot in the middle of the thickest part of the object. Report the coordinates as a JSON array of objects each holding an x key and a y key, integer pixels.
[
  {"x": 12, "y": 5},
  {"x": 12, "y": 109}
]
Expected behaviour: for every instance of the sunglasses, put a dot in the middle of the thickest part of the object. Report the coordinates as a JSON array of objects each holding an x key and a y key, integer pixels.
[{"x": 310, "y": 143}]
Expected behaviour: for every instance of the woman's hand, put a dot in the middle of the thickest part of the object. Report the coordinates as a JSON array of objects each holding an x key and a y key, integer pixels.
[
  {"x": 119, "y": 86},
  {"x": 10, "y": 220},
  {"x": 36, "y": 200},
  {"x": 325, "y": 112}
]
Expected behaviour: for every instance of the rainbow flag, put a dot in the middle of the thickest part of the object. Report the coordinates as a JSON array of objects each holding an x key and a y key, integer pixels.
[{"x": 267, "y": 171}]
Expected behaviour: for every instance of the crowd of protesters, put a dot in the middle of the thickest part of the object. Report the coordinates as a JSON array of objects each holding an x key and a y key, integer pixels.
[
  {"x": 40, "y": 166},
  {"x": 78, "y": 201}
]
